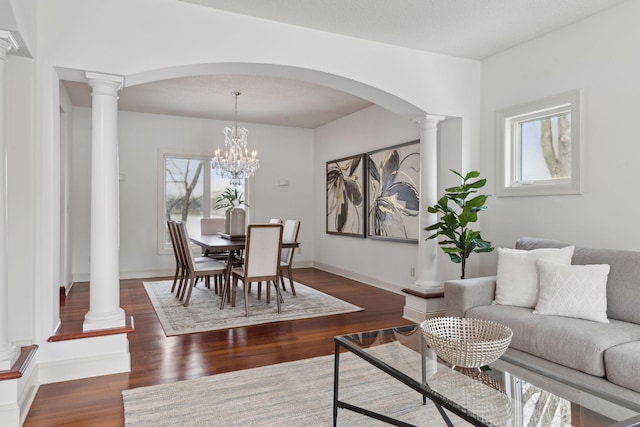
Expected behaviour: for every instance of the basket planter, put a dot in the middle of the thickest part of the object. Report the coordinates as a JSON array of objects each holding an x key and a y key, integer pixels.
[{"x": 469, "y": 343}]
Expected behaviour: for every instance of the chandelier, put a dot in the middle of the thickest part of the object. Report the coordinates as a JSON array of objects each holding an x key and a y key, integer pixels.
[{"x": 235, "y": 164}]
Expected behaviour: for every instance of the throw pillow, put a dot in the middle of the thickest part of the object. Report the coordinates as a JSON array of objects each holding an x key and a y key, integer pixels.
[
  {"x": 573, "y": 291},
  {"x": 517, "y": 277}
]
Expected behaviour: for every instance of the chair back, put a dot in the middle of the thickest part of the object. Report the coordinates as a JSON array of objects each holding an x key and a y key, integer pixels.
[
  {"x": 262, "y": 256},
  {"x": 174, "y": 243},
  {"x": 212, "y": 225},
  {"x": 275, "y": 221},
  {"x": 289, "y": 234},
  {"x": 183, "y": 239}
]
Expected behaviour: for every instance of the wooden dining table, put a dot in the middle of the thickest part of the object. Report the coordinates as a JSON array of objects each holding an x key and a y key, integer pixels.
[{"x": 212, "y": 243}]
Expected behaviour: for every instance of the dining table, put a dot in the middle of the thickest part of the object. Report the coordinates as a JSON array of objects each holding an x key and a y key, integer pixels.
[{"x": 233, "y": 245}]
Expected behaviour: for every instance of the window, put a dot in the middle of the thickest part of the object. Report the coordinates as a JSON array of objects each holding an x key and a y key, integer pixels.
[
  {"x": 539, "y": 147},
  {"x": 188, "y": 192}
]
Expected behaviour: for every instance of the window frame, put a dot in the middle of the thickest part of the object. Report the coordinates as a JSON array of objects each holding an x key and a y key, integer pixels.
[
  {"x": 164, "y": 248},
  {"x": 509, "y": 143}
]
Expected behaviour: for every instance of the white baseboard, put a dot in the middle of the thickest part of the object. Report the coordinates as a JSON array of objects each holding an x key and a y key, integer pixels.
[
  {"x": 29, "y": 389},
  {"x": 65, "y": 370},
  {"x": 418, "y": 316},
  {"x": 392, "y": 287}
]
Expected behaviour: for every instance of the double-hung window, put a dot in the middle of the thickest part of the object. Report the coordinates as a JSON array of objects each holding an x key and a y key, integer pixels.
[
  {"x": 539, "y": 147},
  {"x": 188, "y": 190}
]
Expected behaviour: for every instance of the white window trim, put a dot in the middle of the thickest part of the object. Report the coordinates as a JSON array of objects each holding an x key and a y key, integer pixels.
[{"x": 507, "y": 147}]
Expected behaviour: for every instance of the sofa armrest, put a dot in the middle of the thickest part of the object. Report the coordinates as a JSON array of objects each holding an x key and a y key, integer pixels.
[{"x": 463, "y": 294}]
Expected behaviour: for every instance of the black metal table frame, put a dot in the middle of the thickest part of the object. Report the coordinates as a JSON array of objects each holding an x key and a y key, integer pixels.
[{"x": 423, "y": 388}]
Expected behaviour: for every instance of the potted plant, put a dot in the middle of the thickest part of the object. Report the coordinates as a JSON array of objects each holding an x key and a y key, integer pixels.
[
  {"x": 459, "y": 241},
  {"x": 231, "y": 200}
]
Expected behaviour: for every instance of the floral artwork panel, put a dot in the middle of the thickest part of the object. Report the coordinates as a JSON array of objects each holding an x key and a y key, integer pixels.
[
  {"x": 345, "y": 196},
  {"x": 394, "y": 192}
]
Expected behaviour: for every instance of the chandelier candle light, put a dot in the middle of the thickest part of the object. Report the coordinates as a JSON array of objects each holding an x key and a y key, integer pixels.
[{"x": 235, "y": 164}]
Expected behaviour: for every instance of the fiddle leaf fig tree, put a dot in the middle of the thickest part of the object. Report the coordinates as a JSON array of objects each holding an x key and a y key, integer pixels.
[{"x": 458, "y": 240}]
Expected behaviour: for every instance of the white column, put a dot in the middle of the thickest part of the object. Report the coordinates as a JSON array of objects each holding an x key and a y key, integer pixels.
[
  {"x": 427, "y": 273},
  {"x": 104, "y": 278},
  {"x": 8, "y": 352}
]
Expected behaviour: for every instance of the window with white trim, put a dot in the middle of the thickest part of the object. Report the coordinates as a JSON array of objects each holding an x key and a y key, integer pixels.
[
  {"x": 188, "y": 190},
  {"x": 539, "y": 147}
]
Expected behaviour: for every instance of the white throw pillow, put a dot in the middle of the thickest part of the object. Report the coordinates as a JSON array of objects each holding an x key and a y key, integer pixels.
[
  {"x": 517, "y": 278},
  {"x": 573, "y": 291}
]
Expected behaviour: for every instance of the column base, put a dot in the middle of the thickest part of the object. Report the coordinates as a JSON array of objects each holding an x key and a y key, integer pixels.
[
  {"x": 94, "y": 322},
  {"x": 8, "y": 356},
  {"x": 430, "y": 285}
]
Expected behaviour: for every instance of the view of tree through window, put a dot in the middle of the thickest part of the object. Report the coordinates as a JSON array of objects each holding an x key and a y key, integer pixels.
[
  {"x": 545, "y": 144},
  {"x": 190, "y": 190}
]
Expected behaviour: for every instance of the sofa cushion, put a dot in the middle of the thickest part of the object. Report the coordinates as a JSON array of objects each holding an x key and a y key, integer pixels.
[
  {"x": 623, "y": 284},
  {"x": 517, "y": 278},
  {"x": 622, "y": 364},
  {"x": 575, "y": 343},
  {"x": 573, "y": 291}
]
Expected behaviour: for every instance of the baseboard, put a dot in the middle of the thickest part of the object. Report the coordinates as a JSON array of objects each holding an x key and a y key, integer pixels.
[
  {"x": 65, "y": 370},
  {"x": 28, "y": 392},
  {"x": 419, "y": 316},
  {"x": 392, "y": 287}
]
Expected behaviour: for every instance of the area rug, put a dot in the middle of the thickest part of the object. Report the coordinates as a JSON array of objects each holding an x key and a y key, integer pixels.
[
  {"x": 204, "y": 314},
  {"x": 296, "y": 394}
]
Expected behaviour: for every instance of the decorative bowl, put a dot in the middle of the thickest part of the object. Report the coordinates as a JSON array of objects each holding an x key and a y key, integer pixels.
[{"x": 464, "y": 342}]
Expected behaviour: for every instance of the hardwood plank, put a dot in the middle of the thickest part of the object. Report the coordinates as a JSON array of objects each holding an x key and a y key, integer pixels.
[{"x": 157, "y": 359}]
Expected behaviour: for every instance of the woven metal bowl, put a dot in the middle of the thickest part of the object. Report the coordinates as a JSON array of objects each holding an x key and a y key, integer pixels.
[{"x": 469, "y": 343}]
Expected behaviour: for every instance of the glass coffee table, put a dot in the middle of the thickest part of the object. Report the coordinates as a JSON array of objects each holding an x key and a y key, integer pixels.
[{"x": 507, "y": 393}]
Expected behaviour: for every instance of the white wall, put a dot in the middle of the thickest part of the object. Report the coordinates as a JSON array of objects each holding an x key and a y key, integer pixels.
[
  {"x": 378, "y": 262},
  {"x": 599, "y": 56},
  {"x": 284, "y": 153}
]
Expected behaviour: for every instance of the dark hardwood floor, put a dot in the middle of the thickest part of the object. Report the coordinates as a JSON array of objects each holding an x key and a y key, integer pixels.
[{"x": 157, "y": 359}]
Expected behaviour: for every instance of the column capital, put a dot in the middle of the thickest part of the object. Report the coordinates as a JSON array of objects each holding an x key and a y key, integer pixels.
[
  {"x": 7, "y": 42},
  {"x": 110, "y": 80}
]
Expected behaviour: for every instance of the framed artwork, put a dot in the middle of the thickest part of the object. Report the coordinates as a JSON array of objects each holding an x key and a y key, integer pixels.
[
  {"x": 346, "y": 196},
  {"x": 394, "y": 192}
]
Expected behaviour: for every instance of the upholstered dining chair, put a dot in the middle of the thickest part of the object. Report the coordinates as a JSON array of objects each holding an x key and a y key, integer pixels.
[
  {"x": 290, "y": 234},
  {"x": 275, "y": 221},
  {"x": 262, "y": 261},
  {"x": 206, "y": 268},
  {"x": 212, "y": 225}
]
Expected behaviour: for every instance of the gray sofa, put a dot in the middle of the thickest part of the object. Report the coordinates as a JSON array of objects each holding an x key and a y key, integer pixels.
[{"x": 603, "y": 355}]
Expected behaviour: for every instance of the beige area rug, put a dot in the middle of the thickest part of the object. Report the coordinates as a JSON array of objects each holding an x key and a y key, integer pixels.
[
  {"x": 204, "y": 314},
  {"x": 297, "y": 394}
]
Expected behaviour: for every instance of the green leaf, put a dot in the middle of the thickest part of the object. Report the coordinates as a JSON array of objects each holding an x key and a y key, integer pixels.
[
  {"x": 477, "y": 201},
  {"x": 457, "y": 173},
  {"x": 471, "y": 174},
  {"x": 455, "y": 258},
  {"x": 478, "y": 184}
]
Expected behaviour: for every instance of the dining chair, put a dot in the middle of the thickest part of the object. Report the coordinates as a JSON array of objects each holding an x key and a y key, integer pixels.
[
  {"x": 275, "y": 221},
  {"x": 212, "y": 225},
  {"x": 290, "y": 234},
  {"x": 205, "y": 268},
  {"x": 262, "y": 261},
  {"x": 174, "y": 244}
]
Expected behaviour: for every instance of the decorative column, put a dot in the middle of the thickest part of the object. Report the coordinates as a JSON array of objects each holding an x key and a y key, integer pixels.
[
  {"x": 104, "y": 278},
  {"x": 427, "y": 273},
  {"x": 8, "y": 352}
]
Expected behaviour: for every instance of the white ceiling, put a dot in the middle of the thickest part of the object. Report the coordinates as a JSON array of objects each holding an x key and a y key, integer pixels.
[{"x": 473, "y": 29}]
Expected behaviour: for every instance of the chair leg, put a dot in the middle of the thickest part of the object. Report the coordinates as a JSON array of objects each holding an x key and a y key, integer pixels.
[
  {"x": 259, "y": 291},
  {"x": 192, "y": 284},
  {"x": 278, "y": 296},
  {"x": 290, "y": 274},
  {"x": 246, "y": 298},
  {"x": 184, "y": 284},
  {"x": 175, "y": 278},
  {"x": 234, "y": 286}
]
